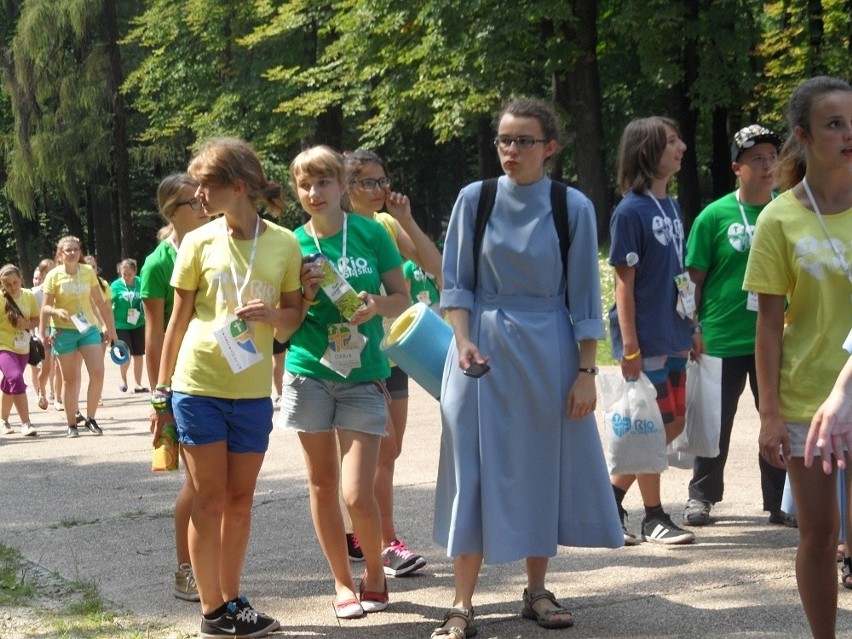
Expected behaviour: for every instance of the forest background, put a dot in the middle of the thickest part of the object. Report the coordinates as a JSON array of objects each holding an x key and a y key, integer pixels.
[{"x": 100, "y": 99}]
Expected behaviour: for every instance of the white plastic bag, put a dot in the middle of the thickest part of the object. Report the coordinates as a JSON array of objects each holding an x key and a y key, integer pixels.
[
  {"x": 635, "y": 435},
  {"x": 700, "y": 437}
]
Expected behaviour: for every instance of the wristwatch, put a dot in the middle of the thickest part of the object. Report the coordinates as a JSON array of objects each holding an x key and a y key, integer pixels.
[{"x": 591, "y": 371}]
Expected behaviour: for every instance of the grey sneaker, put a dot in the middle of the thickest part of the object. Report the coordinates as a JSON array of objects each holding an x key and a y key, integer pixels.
[
  {"x": 629, "y": 537},
  {"x": 697, "y": 512},
  {"x": 72, "y": 432},
  {"x": 399, "y": 560},
  {"x": 185, "y": 586},
  {"x": 660, "y": 529}
]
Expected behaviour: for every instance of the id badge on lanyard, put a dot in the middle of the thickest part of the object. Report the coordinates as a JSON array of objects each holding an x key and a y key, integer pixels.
[
  {"x": 237, "y": 343},
  {"x": 685, "y": 295},
  {"x": 345, "y": 345}
]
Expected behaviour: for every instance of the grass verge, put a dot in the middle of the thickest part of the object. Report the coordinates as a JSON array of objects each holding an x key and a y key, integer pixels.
[{"x": 42, "y": 605}]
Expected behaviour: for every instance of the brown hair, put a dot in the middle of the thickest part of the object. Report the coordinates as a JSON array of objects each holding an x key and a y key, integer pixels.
[
  {"x": 642, "y": 144},
  {"x": 225, "y": 161},
  {"x": 791, "y": 165},
  {"x": 532, "y": 108},
  {"x": 12, "y": 311}
]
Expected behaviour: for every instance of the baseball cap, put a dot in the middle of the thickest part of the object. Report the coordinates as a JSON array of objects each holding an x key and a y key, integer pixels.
[{"x": 753, "y": 134}]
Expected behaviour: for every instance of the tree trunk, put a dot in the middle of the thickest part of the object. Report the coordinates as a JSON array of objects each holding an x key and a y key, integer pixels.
[
  {"x": 816, "y": 31},
  {"x": 120, "y": 159},
  {"x": 579, "y": 93},
  {"x": 687, "y": 117},
  {"x": 720, "y": 169}
]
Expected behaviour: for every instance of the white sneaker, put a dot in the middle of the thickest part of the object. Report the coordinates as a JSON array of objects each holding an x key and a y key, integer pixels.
[
  {"x": 6, "y": 428},
  {"x": 27, "y": 430}
]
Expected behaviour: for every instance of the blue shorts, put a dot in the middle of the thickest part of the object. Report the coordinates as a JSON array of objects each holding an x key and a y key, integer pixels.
[
  {"x": 244, "y": 424},
  {"x": 310, "y": 405},
  {"x": 68, "y": 340}
]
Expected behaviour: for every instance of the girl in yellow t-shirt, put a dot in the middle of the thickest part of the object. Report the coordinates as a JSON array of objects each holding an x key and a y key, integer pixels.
[
  {"x": 236, "y": 281},
  {"x": 20, "y": 315},
  {"x": 71, "y": 295}
]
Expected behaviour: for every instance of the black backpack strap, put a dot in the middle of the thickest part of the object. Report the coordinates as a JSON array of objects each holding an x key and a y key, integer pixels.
[
  {"x": 483, "y": 211},
  {"x": 559, "y": 204}
]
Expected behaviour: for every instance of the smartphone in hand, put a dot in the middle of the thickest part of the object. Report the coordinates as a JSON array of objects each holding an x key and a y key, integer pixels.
[{"x": 476, "y": 370}]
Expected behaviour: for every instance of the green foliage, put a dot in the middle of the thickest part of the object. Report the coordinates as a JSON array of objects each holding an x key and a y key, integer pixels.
[{"x": 417, "y": 81}]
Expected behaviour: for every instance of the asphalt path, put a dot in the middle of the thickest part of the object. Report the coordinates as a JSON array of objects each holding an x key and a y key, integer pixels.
[{"x": 91, "y": 509}]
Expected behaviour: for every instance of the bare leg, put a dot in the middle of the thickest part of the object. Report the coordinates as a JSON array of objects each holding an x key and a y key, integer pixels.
[
  {"x": 93, "y": 357},
  {"x": 320, "y": 453},
  {"x": 204, "y": 465},
  {"x": 465, "y": 574},
  {"x": 536, "y": 574},
  {"x": 815, "y": 494}
]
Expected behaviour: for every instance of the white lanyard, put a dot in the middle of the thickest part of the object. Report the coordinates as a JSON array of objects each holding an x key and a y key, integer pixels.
[
  {"x": 748, "y": 228},
  {"x": 678, "y": 247},
  {"x": 241, "y": 290},
  {"x": 313, "y": 235},
  {"x": 77, "y": 288},
  {"x": 837, "y": 252}
]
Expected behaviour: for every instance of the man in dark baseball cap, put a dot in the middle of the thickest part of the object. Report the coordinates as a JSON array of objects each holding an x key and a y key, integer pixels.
[
  {"x": 751, "y": 135},
  {"x": 717, "y": 252}
]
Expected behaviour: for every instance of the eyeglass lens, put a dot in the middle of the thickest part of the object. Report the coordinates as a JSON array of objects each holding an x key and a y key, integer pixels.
[
  {"x": 522, "y": 141},
  {"x": 371, "y": 183},
  {"x": 194, "y": 204}
]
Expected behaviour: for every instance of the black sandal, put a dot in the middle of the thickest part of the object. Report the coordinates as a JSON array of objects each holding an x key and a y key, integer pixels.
[
  {"x": 846, "y": 573},
  {"x": 456, "y": 632}
]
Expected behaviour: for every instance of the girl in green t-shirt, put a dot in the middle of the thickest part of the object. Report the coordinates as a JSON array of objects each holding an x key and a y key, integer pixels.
[
  {"x": 129, "y": 321},
  {"x": 334, "y": 393}
]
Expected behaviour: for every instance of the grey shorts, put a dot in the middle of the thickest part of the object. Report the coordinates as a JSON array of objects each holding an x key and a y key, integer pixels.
[
  {"x": 798, "y": 432},
  {"x": 310, "y": 405}
]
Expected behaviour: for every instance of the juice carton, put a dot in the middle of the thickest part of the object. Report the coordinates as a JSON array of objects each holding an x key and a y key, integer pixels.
[
  {"x": 165, "y": 455},
  {"x": 338, "y": 289}
]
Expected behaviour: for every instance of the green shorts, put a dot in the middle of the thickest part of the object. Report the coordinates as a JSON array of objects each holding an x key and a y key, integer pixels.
[{"x": 68, "y": 340}]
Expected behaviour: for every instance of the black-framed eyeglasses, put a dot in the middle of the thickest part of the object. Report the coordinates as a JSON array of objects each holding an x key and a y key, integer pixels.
[
  {"x": 368, "y": 184},
  {"x": 504, "y": 142},
  {"x": 194, "y": 204}
]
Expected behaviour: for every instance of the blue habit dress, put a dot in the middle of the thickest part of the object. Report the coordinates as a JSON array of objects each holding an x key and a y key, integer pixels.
[{"x": 516, "y": 477}]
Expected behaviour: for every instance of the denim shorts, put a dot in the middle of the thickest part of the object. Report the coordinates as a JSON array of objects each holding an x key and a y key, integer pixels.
[
  {"x": 798, "y": 433},
  {"x": 68, "y": 340},
  {"x": 244, "y": 424},
  {"x": 311, "y": 405}
]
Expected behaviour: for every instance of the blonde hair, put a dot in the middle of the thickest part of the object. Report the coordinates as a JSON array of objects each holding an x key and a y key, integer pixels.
[
  {"x": 168, "y": 195},
  {"x": 225, "y": 161},
  {"x": 128, "y": 262},
  {"x": 60, "y": 256},
  {"x": 642, "y": 144},
  {"x": 318, "y": 161}
]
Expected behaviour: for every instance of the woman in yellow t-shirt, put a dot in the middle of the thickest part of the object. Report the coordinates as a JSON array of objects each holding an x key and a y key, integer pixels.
[
  {"x": 236, "y": 281},
  {"x": 369, "y": 195},
  {"x": 71, "y": 295},
  {"x": 19, "y": 317}
]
